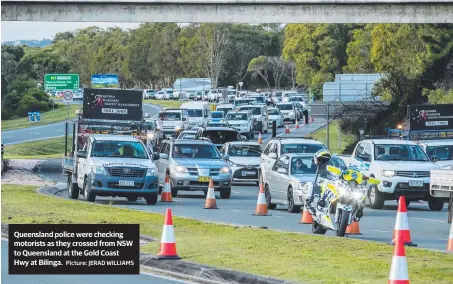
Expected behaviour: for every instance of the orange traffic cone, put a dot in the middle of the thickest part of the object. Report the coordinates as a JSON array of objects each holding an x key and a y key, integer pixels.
[
  {"x": 297, "y": 124},
  {"x": 261, "y": 206},
  {"x": 210, "y": 202},
  {"x": 398, "y": 272},
  {"x": 450, "y": 239},
  {"x": 402, "y": 224},
  {"x": 166, "y": 192},
  {"x": 353, "y": 229},
  {"x": 306, "y": 217},
  {"x": 168, "y": 243},
  {"x": 287, "y": 128},
  {"x": 260, "y": 139}
]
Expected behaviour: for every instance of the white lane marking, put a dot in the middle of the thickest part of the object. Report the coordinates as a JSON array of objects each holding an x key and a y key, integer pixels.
[
  {"x": 277, "y": 216},
  {"x": 442, "y": 239},
  {"x": 163, "y": 277},
  {"x": 31, "y": 128},
  {"x": 237, "y": 192},
  {"x": 430, "y": 220},
  {"x": 237, "y": 210},
  {"x": 31, "y": 140},
  {"x": 380, "y": 231}
]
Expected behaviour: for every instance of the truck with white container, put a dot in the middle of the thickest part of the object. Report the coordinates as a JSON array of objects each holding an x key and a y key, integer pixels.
[
  {"x": 442, "y": 187},
  {"x": 107, "y": 157}
]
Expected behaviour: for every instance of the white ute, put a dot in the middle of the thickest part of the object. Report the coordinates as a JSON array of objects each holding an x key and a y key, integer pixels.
[{"x": 401, "y": 165}]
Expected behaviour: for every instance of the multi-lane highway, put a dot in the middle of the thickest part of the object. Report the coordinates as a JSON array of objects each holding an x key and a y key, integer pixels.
[
  {"x": 143, "y": 278},
  {"x": 53, "y": 130}
]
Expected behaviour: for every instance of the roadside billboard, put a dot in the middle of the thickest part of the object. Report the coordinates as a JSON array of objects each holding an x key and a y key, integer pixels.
[
  {"x": 111, "y": 104},
  {"x": 431, "y": 117},
  {"x": 104, "y": 81}
]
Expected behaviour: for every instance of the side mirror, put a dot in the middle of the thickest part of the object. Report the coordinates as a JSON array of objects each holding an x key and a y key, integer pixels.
[
  {"x": 226, "y": 157},
  {"x": 81, "y": 154},
  {"x": 163, "y": 156},
  {"x": 243, "y": 138},
  {"x": 273, "y": 155},
  {"x": 281, "y": 171},
  {"x": 364, "y": 157},
  {"x": 156, "y": 157},
  {"x": 184, "y": 119},
  {"x": 434, "y": 158}
]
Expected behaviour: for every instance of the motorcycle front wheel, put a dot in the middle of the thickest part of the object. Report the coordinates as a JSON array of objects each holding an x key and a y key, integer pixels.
[
  {"x": 316, "y": 228},
  {"x": 343, "y": 222}
]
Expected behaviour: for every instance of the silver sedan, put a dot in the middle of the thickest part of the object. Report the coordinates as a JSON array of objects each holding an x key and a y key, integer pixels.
[{"x": 284, "y": 181}]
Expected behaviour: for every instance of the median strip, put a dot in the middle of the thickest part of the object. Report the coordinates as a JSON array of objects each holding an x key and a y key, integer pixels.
[{"x": 289, "y": 256}]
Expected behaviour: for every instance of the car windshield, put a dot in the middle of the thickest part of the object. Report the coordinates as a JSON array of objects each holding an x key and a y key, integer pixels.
[
  {"x": 119, "y": 149},
  {"x": 236, "y": 116},
  {"x": 296, "y": 99},
  {"x": 244, "y": 151},
  {"x": 149, "y": 126},
  {"x": 224, "y": 110},
  {"x": 391, "y": 152},
  {"x": 285, "y": 107},
  {"x": 172, "y": 116},
  {"x": 255, "y": 110},
  {"x": 442, "y": 152},
  {"x": 221, "y": 136},
  {"x": 273, "y": 112},
  {"x": 187, "y": 136},
  {"x": 195, "y": 112},
  {"x": 217, "y": 124},
  {"x": 290, "y": 94},
  {"x": 258, "y": 99},
  {"x": 195, "y": 151},
  {"x": 278, "y": 94},
  {"x": 217, "y": 114},
  {"x": 244, "y": 102},
  {"x": 301, "y": 148},
  {"x": 169, "y": 92},
  {"x": 302, "y": 165}
]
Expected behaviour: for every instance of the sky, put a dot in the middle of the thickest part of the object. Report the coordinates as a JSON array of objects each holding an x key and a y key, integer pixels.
[{"x": 46, "y": 30}]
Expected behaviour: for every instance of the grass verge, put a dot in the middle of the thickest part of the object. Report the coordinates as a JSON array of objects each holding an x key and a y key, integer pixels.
[
  {"x": 291, "y": 256},
  {"x": 60, "y": 114},
  {"x": 165, "y": 103},
  {"x": 50, "y": 148},
  {"x": 334, "y": 132}
]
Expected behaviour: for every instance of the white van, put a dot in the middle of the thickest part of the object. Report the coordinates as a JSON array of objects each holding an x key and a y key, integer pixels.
[
  {"x": 224, "y": 107},
  {"x": 199, "y": 113}
]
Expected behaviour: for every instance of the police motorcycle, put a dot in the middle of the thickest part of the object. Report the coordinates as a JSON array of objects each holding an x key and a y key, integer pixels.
[{"x": 344, "y": 198}]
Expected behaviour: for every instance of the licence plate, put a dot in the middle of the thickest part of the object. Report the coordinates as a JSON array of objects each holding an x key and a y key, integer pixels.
[
  {"x": 416, "y": 183},
  {"x": 126, "y": 183},
  {"x": 203, "y": 179},
  {"x": 244, "y": 173}
]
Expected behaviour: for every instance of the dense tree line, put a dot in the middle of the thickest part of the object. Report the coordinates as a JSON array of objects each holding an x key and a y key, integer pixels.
[{"x": 416, "y": 60}]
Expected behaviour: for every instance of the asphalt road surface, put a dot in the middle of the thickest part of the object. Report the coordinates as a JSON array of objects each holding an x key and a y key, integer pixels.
[{"x": 77, "y": 279}]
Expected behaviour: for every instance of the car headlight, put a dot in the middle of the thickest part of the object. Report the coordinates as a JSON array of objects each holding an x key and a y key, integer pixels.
[
  {"x": 181, "y": 169},
  {"x": 225, "y": 170},
  {"x": 291, "y": 113},
  {"x": 177, "y": 128},
  {"x": 150, "y": 135},
  {"x": 151, "y": 172},
  {"x": 98, "y": 170},
  {"x": 244, "y": 125},
  {"x": 388, "y": 173},
  {"x": 231, "y": 164}
]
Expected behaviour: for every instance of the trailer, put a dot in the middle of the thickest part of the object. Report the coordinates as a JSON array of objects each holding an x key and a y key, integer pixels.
[{"x": 110, "y": 153}]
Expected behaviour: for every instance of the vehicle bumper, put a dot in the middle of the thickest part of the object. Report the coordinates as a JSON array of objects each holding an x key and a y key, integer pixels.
[
  {"x": 244, "y": 174},
  {"x": 395, "y": 187},
  {"x": 298, "y": 197},
  {"x": 277, "y": 122},
  {"x": 106, "y": 185},
  {"x": 188, "y": 182},
  {"x": 241, "y": 129},
  {"x": 289, "y": 117}
]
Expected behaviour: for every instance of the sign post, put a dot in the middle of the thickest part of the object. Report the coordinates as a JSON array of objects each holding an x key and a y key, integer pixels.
[
  {"x": 67, "y": 95},
  {"x": 61, "y": 82},
  {"x": 240, "y": 85}
]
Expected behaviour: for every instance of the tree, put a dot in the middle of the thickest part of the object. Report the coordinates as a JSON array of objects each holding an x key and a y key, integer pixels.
[
  {"x": 277, "y": 66},
  {"x": 359, "y": 51},
  {"x": 290, "y": 73},
  {"x": 259, "y": 67}
]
